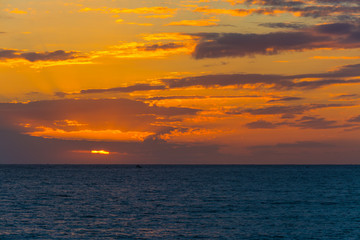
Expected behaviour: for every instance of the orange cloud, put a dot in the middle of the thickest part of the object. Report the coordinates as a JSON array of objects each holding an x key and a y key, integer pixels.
[
  {"x": 167, "y": 36},
  {"x": 13, "y": 57},
  {"x": 102, "y": 119},
  {"x": 159, "y": 16},
  {"x": 16, "y": 11},
  {"x": 93, "y": 135},
  {"x": 144, "y": 10},
  {"x": 200, "y": 23},
  {"x": 148, "y": 50},
  {"x": 335, "y": 57},
  {"x": 238, "y": 12}
]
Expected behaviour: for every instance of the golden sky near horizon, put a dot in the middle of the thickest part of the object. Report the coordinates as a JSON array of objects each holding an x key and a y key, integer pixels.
[{"x": 197, "y": 81}]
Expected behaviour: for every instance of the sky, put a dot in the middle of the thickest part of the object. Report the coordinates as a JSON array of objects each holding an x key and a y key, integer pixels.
[{"x": 180, "y": 82}]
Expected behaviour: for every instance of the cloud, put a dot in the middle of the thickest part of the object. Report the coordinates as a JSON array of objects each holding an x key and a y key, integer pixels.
[
  {"x": 286, "y": 99},
  {"x": 355, "y": 119},
  {"x": 305, "y": 122},
  {"x": 147, "y": 12},
  {"x": 16, "y": 11},
  {"x": 321, "y": 83},
  {"x": 159, "y": 16},
  {"x": 16, "y": 148},
  {"x": 240, "y": 45},
  {"x": 336, "y": 57},
  {"x": 128, "y": 89},
  {"x": 261, "y": 124},
  {"x": 167, "y": 36},
  {"x": 215, "y": 45},
  {"x": 283, "y": 25},
  {"x": 274, "y": 81},
  {"x": 309, "y": 122},
  {"x": 299, "y": 144},
  {"x": 344, "y": 71},
  {"x": 95, "y": 117},
  {"x": 133, "y": 23},
  {"x": 195, "y": 97},
  {"x": 306, "y": 152},
  {"x": 314, "y": 9},
  {"x": 238, "y": 12},
  {"x": 336, "y": 28},
  {"x": 161, "y": 46},
  {"x": 143, "y": 10},
  {"x": 259, "y": 80},
  {"x": 150, "y": 50},
  {"x": 347, "y": 96},
  {"x": 199, "y": 23},
  {"x": 59, "y": 55},
  {"x": 288, "y": 111},
  {"x": 227, "y": 80}
]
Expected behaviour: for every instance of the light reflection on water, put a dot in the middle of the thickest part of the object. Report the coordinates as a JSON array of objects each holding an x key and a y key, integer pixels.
[{"x": 179, "y": 202}]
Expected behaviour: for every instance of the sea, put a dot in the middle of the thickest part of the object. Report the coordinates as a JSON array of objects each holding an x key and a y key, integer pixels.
[{"x": 179, "y": 202}]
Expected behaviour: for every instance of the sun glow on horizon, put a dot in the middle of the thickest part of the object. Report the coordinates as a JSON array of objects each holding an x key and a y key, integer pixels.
[{"x": 100, "y": 152}]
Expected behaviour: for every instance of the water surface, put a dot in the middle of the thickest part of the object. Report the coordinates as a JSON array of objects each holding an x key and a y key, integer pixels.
[{"x": 179, "y": 202}]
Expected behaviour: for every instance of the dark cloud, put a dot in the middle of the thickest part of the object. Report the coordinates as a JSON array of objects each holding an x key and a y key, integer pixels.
[
  {"x": 299, "y": 144},
  {"x": 284, "y": 25},
  {"x": 333, "y": 35},
  {"x": 93, "y": 114},
  {"x": 196, "y": 97},
  {"x": 273, "y": 2},
  {"x": 16, "y": 148},
  {"x": 345, "y": 71},
  {"x": 283, "y": 110},
  {"x": 60, "y": 94},
  {"x": 240, "y": 45},
  {"x": 172, "y": 97},
  {"x": 228, "y": 80},
  {"x": 347, "y": 96},
  {"x": 355, "y": 119},
  {"x": 321, "y": 83},
  {"x": 306, "y": 152},
  {"x": 315, "y": 9},
  {"x": 275, "y": 81},
  {"x": 128, "y": 89},
  {"x": 162, "y": 46},
  {"x": 59, "y": 55},
  {"x": 286, "y": 99},
  {"x": 335, "y": 28},
  {"x": 261, "y": 124},
  {"x": 8, "y": 54},
  {"x": 280, "y": 82},
  {"x": 305, "y": 122},
  {"x": 309, "y": 122}
]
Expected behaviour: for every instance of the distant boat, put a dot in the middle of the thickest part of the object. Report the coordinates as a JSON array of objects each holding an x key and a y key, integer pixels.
[{"x": 138, "y": 166}]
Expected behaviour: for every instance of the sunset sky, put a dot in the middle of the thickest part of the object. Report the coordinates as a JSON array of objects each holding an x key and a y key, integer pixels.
[{"x": 180, "y": 81}]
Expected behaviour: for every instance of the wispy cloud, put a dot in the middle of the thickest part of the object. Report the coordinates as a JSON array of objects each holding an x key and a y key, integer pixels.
[
  {"x": 287, "y": 111},
  {"x": 143, "y": 10},
  {"x": 274, "y": 81},
  {"x": 58, "y": 55},
  {"x": 199, "y": 23},
  {"x": 313, "y": 9}
]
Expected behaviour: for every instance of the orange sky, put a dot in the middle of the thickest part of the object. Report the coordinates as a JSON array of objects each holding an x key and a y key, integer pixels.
[{"x": 180, "y": 82}]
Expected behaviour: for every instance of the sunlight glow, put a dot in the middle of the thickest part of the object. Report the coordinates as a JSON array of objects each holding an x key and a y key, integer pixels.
[{"x": 100, "y": 152}]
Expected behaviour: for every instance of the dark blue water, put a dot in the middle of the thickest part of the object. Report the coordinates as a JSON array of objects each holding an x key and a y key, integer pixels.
[{"x": 180, "y": 202}]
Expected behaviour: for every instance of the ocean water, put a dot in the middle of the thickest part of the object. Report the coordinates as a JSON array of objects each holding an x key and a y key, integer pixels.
[{"x": 179, "y": 202}]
